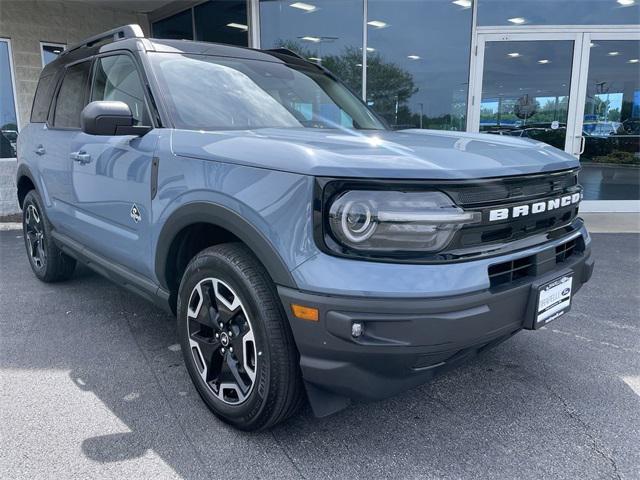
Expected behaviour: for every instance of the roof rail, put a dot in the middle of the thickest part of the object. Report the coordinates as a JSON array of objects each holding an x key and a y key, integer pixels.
[
  {"x": 120, "y": 33},
  {"x": 285, "y": 51}
]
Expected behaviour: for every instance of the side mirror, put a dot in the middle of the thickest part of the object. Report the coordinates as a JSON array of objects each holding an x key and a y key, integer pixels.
[{"x": 109, "y": 118}]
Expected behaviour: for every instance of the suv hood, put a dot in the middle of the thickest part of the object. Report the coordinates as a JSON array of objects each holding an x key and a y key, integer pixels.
[{"x": 410, "y": 154}]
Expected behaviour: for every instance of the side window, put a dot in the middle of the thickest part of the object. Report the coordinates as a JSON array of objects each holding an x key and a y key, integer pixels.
[
  {"x": 71, "y": 96},
  {"x": 116, "y": 78},
  {"x": 42, "y": 100}
]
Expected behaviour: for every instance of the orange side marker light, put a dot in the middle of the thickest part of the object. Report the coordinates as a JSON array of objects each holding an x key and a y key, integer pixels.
[{"x": 305, "y": 313}]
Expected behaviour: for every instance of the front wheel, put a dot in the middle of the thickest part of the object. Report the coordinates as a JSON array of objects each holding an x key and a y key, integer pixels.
[{"x": 236, "y": 341}]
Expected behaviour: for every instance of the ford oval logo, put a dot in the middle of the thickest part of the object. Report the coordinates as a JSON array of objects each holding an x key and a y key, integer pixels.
[{"x": 566, "y": 291}]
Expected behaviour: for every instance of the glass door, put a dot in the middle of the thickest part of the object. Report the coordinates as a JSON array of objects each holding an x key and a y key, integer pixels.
[
  {"x": 524, "y": 86},
  {"x": 608, "y": 124}
]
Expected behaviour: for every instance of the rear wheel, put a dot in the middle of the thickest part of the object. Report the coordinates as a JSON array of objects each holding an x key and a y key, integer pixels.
[
  {"x": 47, "y": 261},
  {"x": 236, "y": 340}
]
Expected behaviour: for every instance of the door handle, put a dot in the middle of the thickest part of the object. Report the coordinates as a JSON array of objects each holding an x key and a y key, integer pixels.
[
  {"x": 81, "y": 157},
  {"x": 40, "y": 150}
]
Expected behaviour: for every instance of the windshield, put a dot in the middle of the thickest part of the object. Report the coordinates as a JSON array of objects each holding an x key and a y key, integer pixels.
[{"x": 220, "y": 93}]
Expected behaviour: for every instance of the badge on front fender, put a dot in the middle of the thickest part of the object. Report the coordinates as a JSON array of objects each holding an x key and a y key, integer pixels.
[{"x": 135, "y": 214}]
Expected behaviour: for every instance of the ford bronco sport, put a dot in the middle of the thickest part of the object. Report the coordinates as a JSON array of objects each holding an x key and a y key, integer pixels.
[{"x": 306, "y": 249}]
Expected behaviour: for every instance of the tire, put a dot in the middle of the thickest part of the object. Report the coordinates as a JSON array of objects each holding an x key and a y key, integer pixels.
[
  {"x": 48, "y": 262},
  {"x": 226, "y": 299}
]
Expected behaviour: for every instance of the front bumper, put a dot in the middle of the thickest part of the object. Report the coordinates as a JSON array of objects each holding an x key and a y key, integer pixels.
[{"x": 407, "y": 340}]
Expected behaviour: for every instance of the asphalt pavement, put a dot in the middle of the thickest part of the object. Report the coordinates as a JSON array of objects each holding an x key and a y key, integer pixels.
[{"x": 92, "y": 385}]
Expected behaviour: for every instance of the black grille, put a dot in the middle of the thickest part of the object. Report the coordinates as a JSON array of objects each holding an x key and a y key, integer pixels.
[
  {"x": 512, "y": 189},
  {"x": 507, "y": 193},
  {"x": 508, "y": 272},
  {"x": 516, "y": 229}
]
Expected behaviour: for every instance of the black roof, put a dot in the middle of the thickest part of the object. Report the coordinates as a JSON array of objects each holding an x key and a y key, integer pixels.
[
  {"x": 223, "y": 50},
  {"x": 176, "y": 46}
]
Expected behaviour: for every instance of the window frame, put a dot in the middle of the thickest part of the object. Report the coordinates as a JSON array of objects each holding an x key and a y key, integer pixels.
[
  {"x": 54, "y": 104},
  {"x": 50, "y": 44},
  {"x": 54, "y": 88},
  {"x": 148, "y": 101},
  {"x": 13, "y": 80}
]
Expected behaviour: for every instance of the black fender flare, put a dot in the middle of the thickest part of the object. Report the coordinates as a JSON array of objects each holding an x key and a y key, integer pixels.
[
  {"x": 24, "y": 171},
  {"x": 220, "y": 216}
]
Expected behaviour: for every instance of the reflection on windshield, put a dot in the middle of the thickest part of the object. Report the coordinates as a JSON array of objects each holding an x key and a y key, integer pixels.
[{"x": 212, "y": 93}]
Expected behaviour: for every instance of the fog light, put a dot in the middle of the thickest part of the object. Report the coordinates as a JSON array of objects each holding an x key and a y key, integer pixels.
[{"x": 356, "y": 329}]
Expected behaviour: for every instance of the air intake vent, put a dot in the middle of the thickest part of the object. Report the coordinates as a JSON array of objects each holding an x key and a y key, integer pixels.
[
  {"x": 564, "y": 251},
  {"x": 508, "y": 272},
  {"x": 505, "y": 273}
]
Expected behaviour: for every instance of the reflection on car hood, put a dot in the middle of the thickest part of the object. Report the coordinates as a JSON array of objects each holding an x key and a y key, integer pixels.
[{"x": 419, "y": 154}]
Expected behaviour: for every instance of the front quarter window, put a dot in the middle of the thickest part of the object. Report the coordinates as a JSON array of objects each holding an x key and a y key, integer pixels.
[
  {"x": 117, "y": 79},
  {"x": 214, "y": 93}
]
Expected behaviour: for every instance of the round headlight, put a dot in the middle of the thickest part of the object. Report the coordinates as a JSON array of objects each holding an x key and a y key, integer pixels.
[
  {"x": 396, "y": 221},
  {"x": 357, "y": 221}
]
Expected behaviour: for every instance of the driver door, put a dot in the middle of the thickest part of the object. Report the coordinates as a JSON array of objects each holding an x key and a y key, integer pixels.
[{"x": 111, "y": 175}]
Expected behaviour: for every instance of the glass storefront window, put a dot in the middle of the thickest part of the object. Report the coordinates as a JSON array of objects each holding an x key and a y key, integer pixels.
[
  {"x": 178, "y": 26},
  {"x": 328, "y": 32},
  {"x": 418, "y": 62},
  {"x": 8, "y": 117},
  {"x": 611, "y": 124},
  {"x": 554, "y": 12},
  {"x": 222, "y": 21},
  {"x": 525, "y": 89},
  {"x": 50, "y": 52}
]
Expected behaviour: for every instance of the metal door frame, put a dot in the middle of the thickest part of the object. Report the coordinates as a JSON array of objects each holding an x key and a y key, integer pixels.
[
  {"x": 588, "y": 37},
  {"x": 476, "y": 81}
]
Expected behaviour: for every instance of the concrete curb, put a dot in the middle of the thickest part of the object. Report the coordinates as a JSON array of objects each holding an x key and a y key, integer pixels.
[
  {"x": 612, "y": 222},
  {"x": 10, "y": 226}
]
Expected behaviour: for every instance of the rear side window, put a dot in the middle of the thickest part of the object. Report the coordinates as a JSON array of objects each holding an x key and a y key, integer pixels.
[
  {"x": 72, "y": 95},
  {"x": 117, "y": 79},
  {"x": 42, "y": 100}
]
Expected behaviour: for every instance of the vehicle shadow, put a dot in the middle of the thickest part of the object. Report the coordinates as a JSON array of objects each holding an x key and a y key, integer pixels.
[{"x": 528, "y": 408}]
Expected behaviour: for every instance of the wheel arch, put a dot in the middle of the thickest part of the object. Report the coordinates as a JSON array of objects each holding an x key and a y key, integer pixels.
[
  {"x": 220, "y": 217},
  {"x": 24, "y": 183}
]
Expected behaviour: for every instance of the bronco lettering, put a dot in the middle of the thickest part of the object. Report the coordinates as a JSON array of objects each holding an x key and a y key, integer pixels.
[{"x": 533, "y": 208}]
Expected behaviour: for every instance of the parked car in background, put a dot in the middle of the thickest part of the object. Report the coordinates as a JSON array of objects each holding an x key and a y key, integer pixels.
[
  {"x": 601, "y": 129},
  {"x": 8, "y": 143},
  {"x": 551, "y": 133}
]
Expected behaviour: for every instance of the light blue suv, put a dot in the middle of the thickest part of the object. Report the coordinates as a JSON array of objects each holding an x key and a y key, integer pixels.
[{"x": 306, "y": 249}]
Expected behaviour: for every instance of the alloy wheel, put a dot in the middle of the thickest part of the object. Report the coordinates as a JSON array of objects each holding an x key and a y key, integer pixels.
[
  {"x": 222, "y": 340},
  {"x": 34, "y": 232}
]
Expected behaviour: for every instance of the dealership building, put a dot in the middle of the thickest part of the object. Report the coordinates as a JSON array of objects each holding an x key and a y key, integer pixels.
[{"x": 565, "y": 72}]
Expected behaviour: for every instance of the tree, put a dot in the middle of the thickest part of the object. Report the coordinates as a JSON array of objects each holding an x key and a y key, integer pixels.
[
  {"x": 614, "y": 115},
  {"x": 389, "y": 87}
]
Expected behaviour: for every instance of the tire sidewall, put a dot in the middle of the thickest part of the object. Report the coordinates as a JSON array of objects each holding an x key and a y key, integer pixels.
[
  {"x": 32, "y": 198},
  {"x": 215, "y": 266}
]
